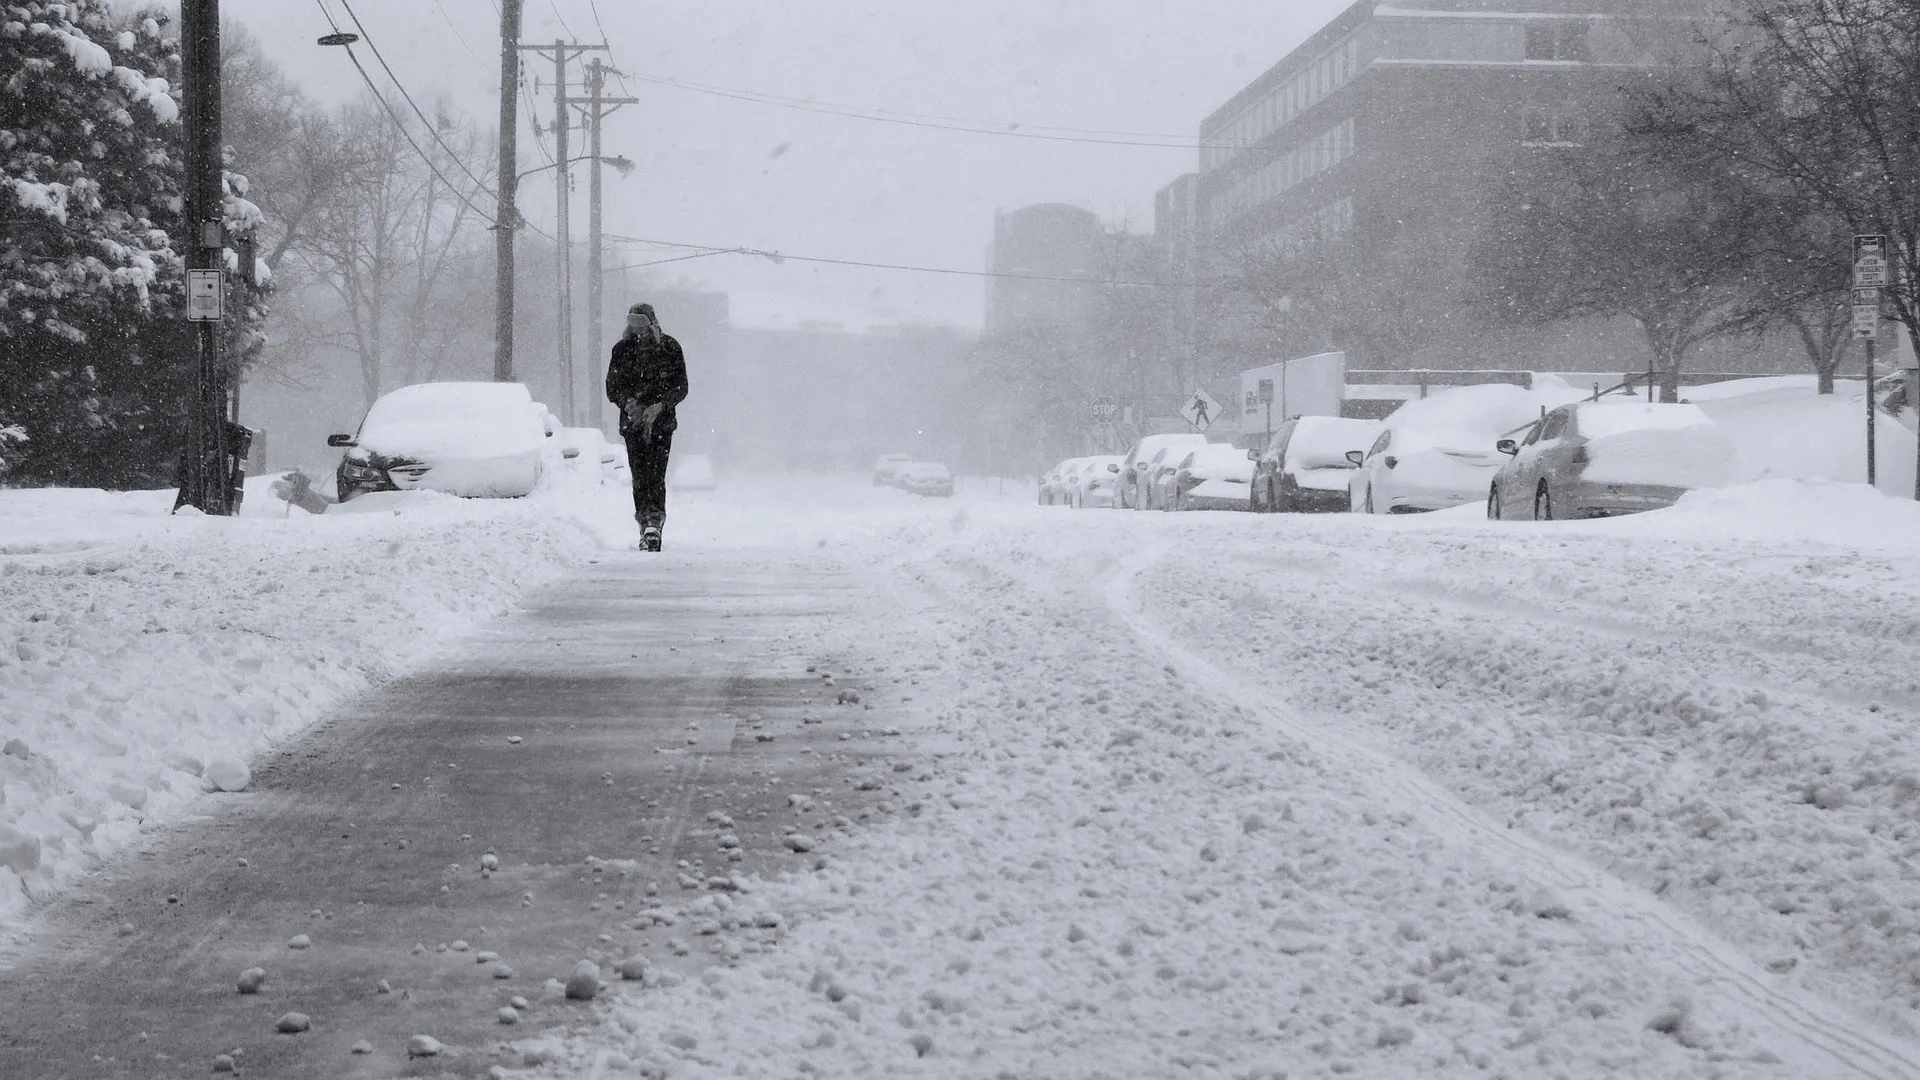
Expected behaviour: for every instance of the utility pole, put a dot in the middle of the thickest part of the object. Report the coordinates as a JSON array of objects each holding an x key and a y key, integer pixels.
[
  {"x": 206, "y": 482},
  {"x": 562, "y": 53},
  {"x": 599, "y": 107},
  {"x": 506, "y": 216},
  {"x": 562, "y": 182}
]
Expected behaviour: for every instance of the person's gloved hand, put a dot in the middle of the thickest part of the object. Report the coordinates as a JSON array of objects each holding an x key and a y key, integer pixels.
[{"x": 647, "y": 416}]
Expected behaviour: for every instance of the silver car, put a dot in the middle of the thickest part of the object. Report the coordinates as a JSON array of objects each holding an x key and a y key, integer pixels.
[{"x": 1602, "y": 458}]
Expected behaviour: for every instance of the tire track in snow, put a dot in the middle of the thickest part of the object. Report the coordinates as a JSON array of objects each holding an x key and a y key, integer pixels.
[{"x": 1806, "y": 1031}]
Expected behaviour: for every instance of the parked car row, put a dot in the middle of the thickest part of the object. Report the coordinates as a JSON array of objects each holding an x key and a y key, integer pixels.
[
  {"x": 1577, "y": 459},
  {"x": 1082, "y": 482}
]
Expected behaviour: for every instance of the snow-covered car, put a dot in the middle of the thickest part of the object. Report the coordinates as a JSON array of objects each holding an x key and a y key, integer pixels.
[
  {"x": 1409, "y": 470},
  {"x": 1157, "y": 480},
  {"x": 473, "y": 439},
  {"x": 1438, "y": 452},
  {"x": 1305, "y": 468},
  {"x": 1211, "y": 477},
  {"x": 1132, "y": 491},
  {"x": 586, "y": 451},
  {"x": 691, "y": 472},
  {"x": 926, "y": 478},
  {"x": 1096, "y": 482},
  {"x": 1602, "y": 458},
  {"x": 1054, "y": 486},
  {"x": 886, "y": 471}
]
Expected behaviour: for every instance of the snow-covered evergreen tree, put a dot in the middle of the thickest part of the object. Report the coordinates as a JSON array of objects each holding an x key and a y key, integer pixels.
[{"x": 96, "y": 359}]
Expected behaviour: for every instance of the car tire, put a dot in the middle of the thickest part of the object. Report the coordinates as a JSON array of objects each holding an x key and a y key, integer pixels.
[
  {"x": 1368, "y": 504},
  {"x": 1543, "y": 504},
  {"x": 1493, "y": 504}
]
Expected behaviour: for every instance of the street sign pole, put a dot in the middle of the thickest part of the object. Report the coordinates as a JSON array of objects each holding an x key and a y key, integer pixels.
[{"x": 1870, "y": 275}]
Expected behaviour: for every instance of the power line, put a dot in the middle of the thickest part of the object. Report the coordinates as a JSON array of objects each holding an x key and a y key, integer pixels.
[
  {"x": 398, "y": 123},
  {"x": 563, "y": 20},
  {"x": 975, "y": 127},
  {"x": 432, "y": 128},
  {"x": 457, "y": 35},
  {"x": 777, "y": 257}
]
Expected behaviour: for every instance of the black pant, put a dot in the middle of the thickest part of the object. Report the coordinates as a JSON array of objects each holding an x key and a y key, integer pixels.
[{"x": 647, "y": 460}]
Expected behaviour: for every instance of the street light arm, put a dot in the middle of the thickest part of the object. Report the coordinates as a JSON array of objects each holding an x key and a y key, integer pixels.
[{"x": 622, "y": 164}]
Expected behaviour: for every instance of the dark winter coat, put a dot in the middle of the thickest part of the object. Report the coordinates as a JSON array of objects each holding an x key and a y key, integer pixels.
[{"x": 644, "y": 373}]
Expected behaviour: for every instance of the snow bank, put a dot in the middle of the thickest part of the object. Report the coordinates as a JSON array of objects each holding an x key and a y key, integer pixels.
[{"x": 143, "y": 655}]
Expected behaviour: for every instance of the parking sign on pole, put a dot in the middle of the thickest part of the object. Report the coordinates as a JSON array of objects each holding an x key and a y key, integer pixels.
[{"x": 1870, "y": 275}]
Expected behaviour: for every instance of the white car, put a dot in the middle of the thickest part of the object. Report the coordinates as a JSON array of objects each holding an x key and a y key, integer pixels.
[
  {"x": 587, "y": 452},
  {"x": 1305, "y": 467},
  {"x": 926, "y": 478},
  {"x": 1211, "y": 477},
  {"x": 691, "y": 472},
  {"x": 1133, "y": 489},
  {"x": 1097, "y": 482},
  {"x": 1055, "y": 485},
  {"x": 1409, "y": 470},
  {"x": 886, "y": 471},
  {"x": 473, "y": 439}
]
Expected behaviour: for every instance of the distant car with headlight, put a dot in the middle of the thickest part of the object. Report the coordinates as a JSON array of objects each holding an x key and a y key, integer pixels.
[{"x": 481, "y": 440}]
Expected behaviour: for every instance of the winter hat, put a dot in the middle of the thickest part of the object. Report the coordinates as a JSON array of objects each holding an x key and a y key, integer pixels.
[{"x": 641, "y": 309}]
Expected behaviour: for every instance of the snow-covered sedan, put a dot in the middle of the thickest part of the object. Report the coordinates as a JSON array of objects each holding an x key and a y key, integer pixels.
[
  {"x": 473, "y": 439},
  {"x": 587, "y": 452},
  {"x": 1410, "y": 469},
  {"x": 1602, "y": 458},
  {"x": 886, "y": 471},
  {"x": 926, "y": 478},
  {"x": 1097, "y": 483},
  {"x": 1305, "y": 468},
  {"x": 1056, "y": 485},
  {"x": 1211, "y": 477},
  {"x": 1134, "y": 488}
]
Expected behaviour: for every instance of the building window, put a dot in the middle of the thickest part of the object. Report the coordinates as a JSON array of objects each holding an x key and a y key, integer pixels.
[{"x": 1563, "y": 40}]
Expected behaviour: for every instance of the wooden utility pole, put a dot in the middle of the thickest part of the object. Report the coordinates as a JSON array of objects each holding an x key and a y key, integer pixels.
[
  {"x": 506, "y": 216},
  {"x": 206, "y": 480},
  {"x": 599, "y": 107},
  {"x": 562, "y": 53},
  {"x": 562, "y": 183}
]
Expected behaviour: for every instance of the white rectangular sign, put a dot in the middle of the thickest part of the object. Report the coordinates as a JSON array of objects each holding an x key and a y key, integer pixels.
[
  {"x": 204, "y": 295},
  {"x": 1870, "y": 262}
]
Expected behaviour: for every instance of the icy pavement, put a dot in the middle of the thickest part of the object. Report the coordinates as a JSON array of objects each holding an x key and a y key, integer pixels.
[{"x": 1256, "y": 797}]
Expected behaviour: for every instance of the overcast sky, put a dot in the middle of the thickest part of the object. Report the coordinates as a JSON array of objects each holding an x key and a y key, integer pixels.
[{"x": 724, "y": 172}]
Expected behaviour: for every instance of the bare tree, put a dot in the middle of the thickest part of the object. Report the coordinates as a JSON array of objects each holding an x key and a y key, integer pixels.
[
  {"x": 1635, "y": 223},
  {"x": 389, "y": 243},
  {"x": 1822, "y": 96}
]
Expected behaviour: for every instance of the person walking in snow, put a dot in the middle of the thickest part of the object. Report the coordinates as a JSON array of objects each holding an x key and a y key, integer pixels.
[{"x": 646, "y": 378}]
